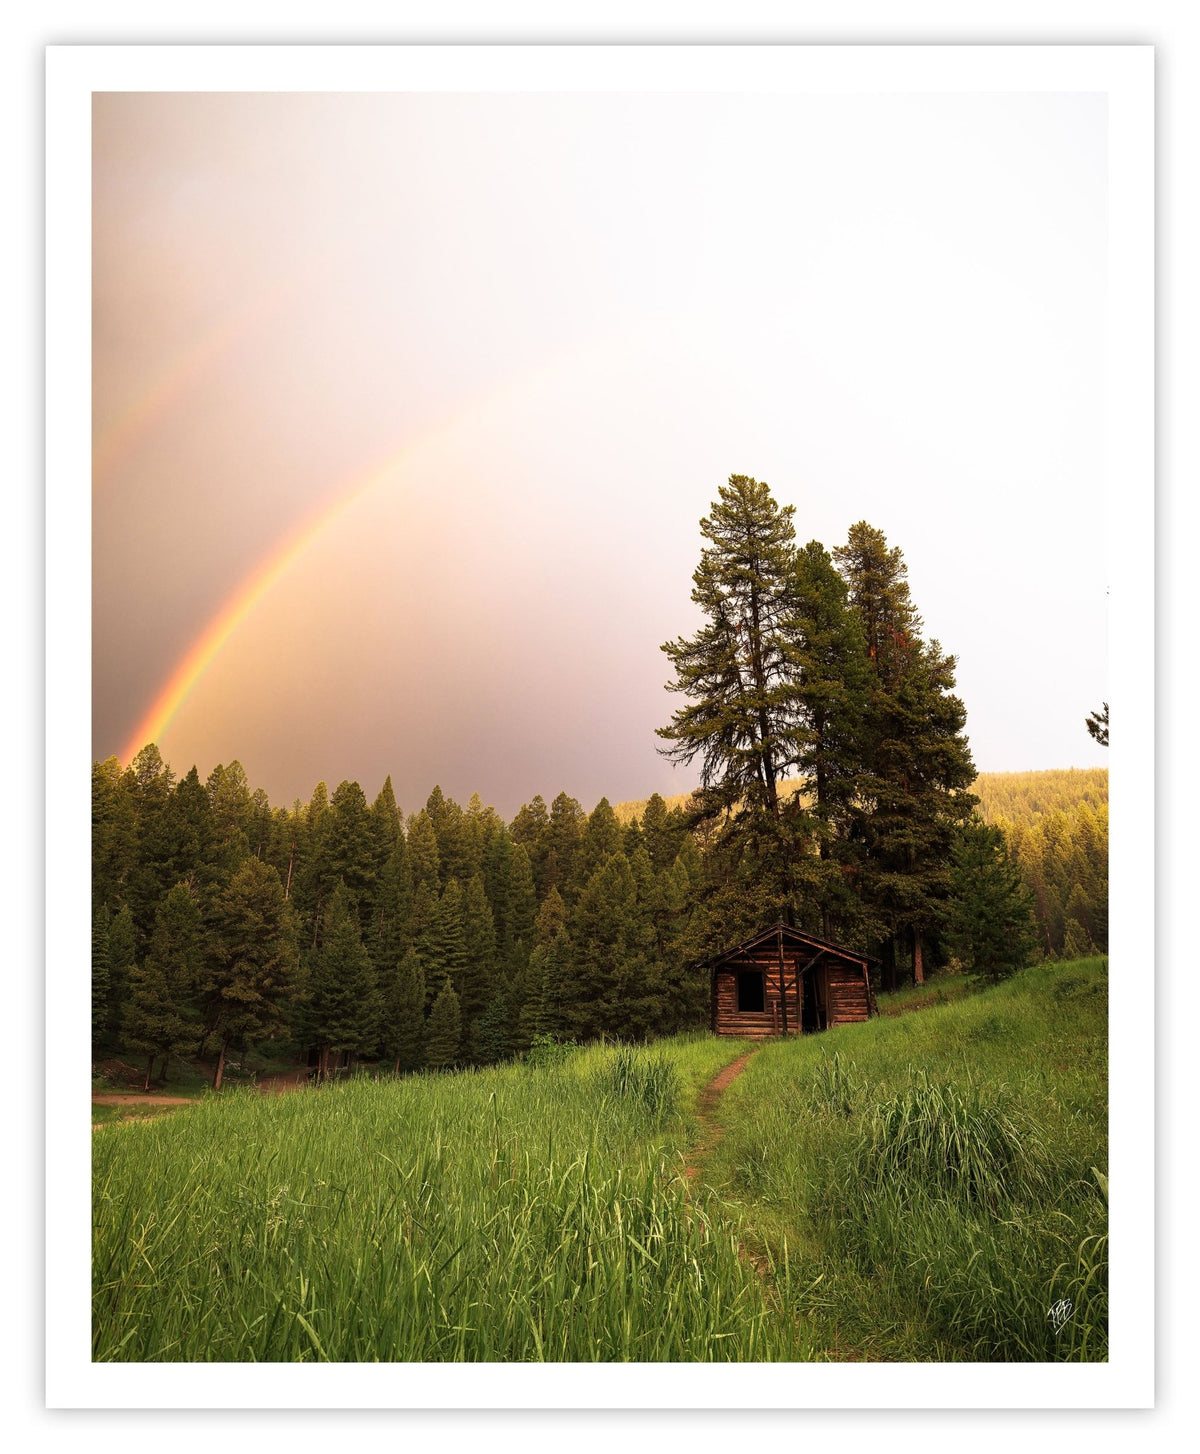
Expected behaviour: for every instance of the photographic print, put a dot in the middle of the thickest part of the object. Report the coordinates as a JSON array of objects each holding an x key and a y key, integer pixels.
[{"x": 600, "y": 677}]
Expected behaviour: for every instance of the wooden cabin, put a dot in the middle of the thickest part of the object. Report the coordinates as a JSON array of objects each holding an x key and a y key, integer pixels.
[{"x": 785, "y": 982}]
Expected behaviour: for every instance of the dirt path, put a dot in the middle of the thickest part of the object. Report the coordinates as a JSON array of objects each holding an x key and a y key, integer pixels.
[{"x": 711, "y": 1129}]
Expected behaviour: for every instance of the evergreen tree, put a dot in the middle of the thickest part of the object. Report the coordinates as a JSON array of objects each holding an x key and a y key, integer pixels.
[
  {"x": 531, "y": 828},
  {"x": 917, "y": 764},
  {"x": 403, "y": 1030},
  {"x": 989, "y": 913},
  {"x": 386, "y": 826},
  {"x": 101, "y": 977},
  {"x": 193, "y": 850},
  {"x": 150, "y": 781},
  {"x": 249, "y": 969},
  {"x": 391, "y": 921},
  {"x": 478, "y": 984},
  {"x": 601, "y": 837},
  {"x": 442, "y": 946},
  {"x": 232, "y": 809},
  {"x": 829, "y": 665},
  {"x": 453, "y": 836},
  {"x": 443, "y": 1041},
  {"x": 662, "y": 832},
  {"x": 159, "y": 1016},
  {"x": 122, "y": 965},
  {"x": 741, "y": 718},
  {"x": 343, "y": 1010},
  {"x": 494, "y": 1030},
  {"x": 350, "y": 846},
  {"x": 563, "y": 833},
  {"x": 1097, "y": 725},
  {"x": 423, "y": 852},
  {"x": 114, "y": 834},
  {"x": 522, "y": 912}
]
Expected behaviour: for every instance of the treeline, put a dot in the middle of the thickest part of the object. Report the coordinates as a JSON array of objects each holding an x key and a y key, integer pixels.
[
  {"x": 1056, "y": 826},
  {"x": 1023, "y": 797},
  {"x": 447, "y": 938}
]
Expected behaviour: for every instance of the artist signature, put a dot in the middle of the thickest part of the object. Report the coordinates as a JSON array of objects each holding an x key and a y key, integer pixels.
[{"x": 1060, "y": 1312}]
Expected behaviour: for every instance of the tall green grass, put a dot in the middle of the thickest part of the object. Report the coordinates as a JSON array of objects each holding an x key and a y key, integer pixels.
[
  {"x": 940, "y": 1176},
  {"x": 513, "y": 1214}
]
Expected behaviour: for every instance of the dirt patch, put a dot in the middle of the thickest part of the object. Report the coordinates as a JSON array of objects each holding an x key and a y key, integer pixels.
[
  {"x": 136, "y": 1098},
  {"x": 711, "y": 1129},
  {"x": 276, "y": 1082}
]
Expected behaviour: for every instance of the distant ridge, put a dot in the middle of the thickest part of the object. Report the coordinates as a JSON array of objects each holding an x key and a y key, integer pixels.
[{"x": 1017, "y": 797}]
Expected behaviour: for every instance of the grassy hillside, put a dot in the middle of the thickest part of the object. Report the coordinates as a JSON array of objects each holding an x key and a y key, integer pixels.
[
  {"x": 1018, "y": 797},
  {"x": 940, "y": 1177}
]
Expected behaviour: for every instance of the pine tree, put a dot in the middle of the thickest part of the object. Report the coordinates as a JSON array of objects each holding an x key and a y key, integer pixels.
[
  {"x": 403, "y": 1029},
  {"x": 343, "y": 1010},
  {"x": 522, "y": 912},
  {"x": 1097, "y": 725},
  {"x": 193, "y": 849},
  {"x": 350, "y": 846},
  {"x": 829, "y": 665},
  {"x": 479, "y": 982},
  {"x": 423, "y": 852},
  {"x": 742, "y": 714},
  {"x": 531, "y": 827},
  {"x": 605, "y": 963},
  {"x": 101, "y": 976},
  {"x": 989, "y": 914},
  {"x": 563, "y": 833},
  {"x": 160, "y": 1017},
  {"x": 114, "y": 834},
  {"x": 443, "y": 1041},
  {"x": 442, "y": 946},
  {"x": 150, "y": 782},
  {"x": 391, "y": 920},
  {"x": 601, "y": 837},
  {"x": 662, "y": 832},
  {"x": 917, "y": 763},
  {"x": 250, "y": 965},
  {"x": 122, "y": 965},
  {"x": 230, "y": 801}
]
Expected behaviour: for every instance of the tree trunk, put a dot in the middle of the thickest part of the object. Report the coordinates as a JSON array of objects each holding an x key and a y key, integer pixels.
[
  {"x": 219, "y": 1073},
  {"x": 889, "y": 964},
  {"x": 918, "y": 959},
  {"x": 162, "y": 1074},
  {"x": 149, "y": 1068}
]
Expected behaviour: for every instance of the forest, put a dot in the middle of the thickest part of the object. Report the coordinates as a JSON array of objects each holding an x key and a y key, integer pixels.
[{"x": 837, "y": 793}]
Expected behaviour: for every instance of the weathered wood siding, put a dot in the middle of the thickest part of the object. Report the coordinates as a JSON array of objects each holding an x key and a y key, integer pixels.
[
  {"x": 729, "y": 1020},
  {"x": 847, "y": 993}
]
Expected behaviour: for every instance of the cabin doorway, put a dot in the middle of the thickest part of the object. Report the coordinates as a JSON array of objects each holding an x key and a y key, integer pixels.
[
  {"x": 751, "y": 991},
  {"x": 810, "y": 1010}
]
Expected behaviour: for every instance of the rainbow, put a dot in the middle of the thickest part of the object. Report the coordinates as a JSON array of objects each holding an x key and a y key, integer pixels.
[
  {"x": 209, "y": 645},
  {"x": 119, "y": 438}
]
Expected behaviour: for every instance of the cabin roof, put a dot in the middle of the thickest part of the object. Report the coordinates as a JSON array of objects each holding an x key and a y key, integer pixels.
[{"x": 791, "y": 936}]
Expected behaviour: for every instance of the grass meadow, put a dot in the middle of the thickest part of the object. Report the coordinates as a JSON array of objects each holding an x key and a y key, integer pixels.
[
  {"x": 510, "y": 1214},
  {"x": 941, "y": 1176},
  {"x": 929, "y": 1186}
]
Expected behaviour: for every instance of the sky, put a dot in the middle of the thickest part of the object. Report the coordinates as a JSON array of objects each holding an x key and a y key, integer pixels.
[{"x": 406, "y": 409}]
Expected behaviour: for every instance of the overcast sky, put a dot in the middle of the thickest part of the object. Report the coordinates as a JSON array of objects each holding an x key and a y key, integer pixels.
[{"x": 470, "y": 369}]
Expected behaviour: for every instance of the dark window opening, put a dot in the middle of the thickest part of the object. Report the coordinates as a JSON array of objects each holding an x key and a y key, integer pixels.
[{"x": 751, "y": 984}]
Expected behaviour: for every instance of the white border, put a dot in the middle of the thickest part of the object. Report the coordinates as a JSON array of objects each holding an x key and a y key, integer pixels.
[{"x": 1125, "y": 75}]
